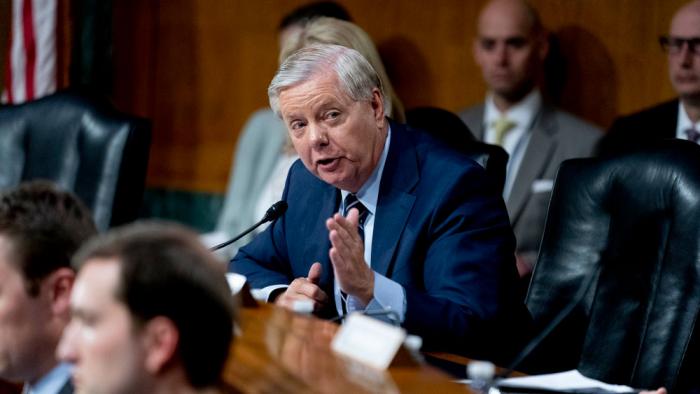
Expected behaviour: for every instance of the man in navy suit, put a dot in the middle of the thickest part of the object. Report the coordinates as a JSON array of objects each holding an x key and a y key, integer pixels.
[
  {"x": 677, "y": 118},
  {"x": 381, "y": 217}
]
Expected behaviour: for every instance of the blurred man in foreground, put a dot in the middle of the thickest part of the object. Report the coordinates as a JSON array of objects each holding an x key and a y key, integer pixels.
[
  {"x": 40, "y": 229},
  {"x": 151, "y": 313}
]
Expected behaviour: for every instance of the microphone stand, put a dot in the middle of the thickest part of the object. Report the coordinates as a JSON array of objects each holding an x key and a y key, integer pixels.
[{"x": 276, "y": 210}]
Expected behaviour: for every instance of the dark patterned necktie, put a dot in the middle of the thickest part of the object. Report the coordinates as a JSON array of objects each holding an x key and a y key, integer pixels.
[
  {"x": 350, "y": 202},
  {"x": 693, "y": 135}
]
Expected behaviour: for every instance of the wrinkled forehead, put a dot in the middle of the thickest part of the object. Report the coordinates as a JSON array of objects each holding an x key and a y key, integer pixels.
[{"x": 319, "y": 88}]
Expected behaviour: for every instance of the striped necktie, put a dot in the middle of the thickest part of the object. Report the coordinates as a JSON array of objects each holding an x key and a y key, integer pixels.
[
  {"x": 350, "y": 202},
  {"x": 693, "y": 135}
]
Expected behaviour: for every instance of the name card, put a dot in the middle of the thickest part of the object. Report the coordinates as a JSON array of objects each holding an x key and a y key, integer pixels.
[{"x": 368, "y": 340}]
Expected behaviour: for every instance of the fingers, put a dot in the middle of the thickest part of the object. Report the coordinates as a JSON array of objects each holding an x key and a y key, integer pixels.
[
  {"x": 314, "y": 273},
  {"x": 302, "y": 289}
]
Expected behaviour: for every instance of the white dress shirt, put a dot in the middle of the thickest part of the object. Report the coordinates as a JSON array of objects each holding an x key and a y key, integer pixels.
[
  {"x": 516, "y": 140},
  {"x": 684, "y": 123}
]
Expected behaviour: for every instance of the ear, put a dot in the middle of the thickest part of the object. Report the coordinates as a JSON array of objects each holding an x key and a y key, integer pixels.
[
  {"x": 377, "y": 103},
  {"x": 161, "y": 338},
  {"x": 57, "y": 286}
]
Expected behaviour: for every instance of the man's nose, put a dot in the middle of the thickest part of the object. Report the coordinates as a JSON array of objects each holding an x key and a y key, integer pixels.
[
  {"x": 501, "y": 54},
  {"x": 318, "y": 135},
  {"x": 686, "y": 54}
]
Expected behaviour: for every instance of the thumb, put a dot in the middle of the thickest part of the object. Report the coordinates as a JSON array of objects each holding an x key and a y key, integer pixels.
[{"x": 314, "y": 273}]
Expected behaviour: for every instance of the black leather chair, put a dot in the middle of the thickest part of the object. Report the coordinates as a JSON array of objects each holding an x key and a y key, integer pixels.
[
  {"x": 449, "y": 128},
  {"x": 83, "y": 145},
  {"x": 631, "y": 225}
]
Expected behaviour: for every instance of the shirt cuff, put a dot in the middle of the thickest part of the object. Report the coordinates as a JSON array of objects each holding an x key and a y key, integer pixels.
[
  {"x": 263, "y": 294},
  {"x": 388, "y": 303}
]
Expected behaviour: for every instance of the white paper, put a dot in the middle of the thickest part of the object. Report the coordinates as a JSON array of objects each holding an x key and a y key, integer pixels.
[
  {"x": 235, "y": 281},
  {"x": 568, "y": 380},
  {"x": 368, "y": 340}
]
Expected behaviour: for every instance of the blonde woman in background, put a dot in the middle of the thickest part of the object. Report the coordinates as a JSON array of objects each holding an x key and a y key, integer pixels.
[{"x": 324, "y": 30}]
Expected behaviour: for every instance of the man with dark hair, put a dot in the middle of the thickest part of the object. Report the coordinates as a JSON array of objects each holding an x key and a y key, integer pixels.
[
  {"x": 151, "y": 313},
  {"x": 41, "y": 227},
  {"x": 297, "y": 18}
]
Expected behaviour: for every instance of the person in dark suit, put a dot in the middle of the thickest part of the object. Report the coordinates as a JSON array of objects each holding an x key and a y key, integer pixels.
[
  {"x": 151, "y": 313},
  {"x": 423, "y": 233},
  {"x": 41, "y": 227},
  {"x": 677, "y": 118},
  {"x": 510, "y": 49}
]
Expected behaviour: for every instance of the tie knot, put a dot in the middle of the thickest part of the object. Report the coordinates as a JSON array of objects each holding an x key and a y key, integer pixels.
[
  {"x": 693, "y": 135},
  {"x": 350, "y": 202},
  {"x": 501, "y": 127}
]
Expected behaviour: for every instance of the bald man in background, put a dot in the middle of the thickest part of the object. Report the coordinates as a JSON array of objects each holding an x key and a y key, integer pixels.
[
  {"x": 510, "y": 49},
  {"x": 677, "y": 118}
]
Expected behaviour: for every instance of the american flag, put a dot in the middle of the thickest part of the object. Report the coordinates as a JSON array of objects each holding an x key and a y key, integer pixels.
[{"x": 30, "y": 71}]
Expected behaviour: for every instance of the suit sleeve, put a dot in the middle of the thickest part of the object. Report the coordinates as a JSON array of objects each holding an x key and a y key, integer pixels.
[
  {"x": 469, "y": 288},
  {"x": 264, "y": 261}
]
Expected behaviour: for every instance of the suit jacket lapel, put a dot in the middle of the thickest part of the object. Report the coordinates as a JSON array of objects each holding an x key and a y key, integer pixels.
[
  {"x": 537, "y": 154},
  {"x": 317, "y": 250},
  {"x": 395, "y": 198},
  {"x": 479, "y": 131}
]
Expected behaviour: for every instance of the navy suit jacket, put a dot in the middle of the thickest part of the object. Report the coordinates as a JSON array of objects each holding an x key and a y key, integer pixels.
[
  {"x": 441, "y": 231},
  {"x": 641, "y": 129}
]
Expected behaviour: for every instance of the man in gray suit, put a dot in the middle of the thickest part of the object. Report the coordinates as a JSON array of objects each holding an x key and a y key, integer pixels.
[{"x": 510, "y": 49}]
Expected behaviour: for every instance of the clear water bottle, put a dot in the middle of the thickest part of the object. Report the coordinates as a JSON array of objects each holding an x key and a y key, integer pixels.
[{"x": 481, "y": 374}]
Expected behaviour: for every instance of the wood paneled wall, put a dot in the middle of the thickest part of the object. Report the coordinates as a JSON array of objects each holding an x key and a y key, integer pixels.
[{"x": 199, "y": 68}]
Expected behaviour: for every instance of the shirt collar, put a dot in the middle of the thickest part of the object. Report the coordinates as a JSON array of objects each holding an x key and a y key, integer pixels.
[
  {"x": 369, "y": 192},
  {"x": 522, "y": 113},
  {"x": 684, "y": 122},
  {"x": 52, "y": 382}
]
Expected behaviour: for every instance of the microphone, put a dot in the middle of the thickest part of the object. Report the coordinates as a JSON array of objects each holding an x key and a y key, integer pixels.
[
  {"x": 275, "y": 211},
  {"x": 537, "y": 340}
]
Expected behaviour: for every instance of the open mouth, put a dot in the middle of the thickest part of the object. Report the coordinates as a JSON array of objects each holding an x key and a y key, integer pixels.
[{"x": 328, "y": 164}]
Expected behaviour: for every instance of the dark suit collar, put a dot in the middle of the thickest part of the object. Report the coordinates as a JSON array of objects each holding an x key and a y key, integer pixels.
[{"x": 400, "y": 176}]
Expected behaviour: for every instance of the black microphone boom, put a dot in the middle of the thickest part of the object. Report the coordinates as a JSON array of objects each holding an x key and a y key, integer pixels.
[
  {"x": 558, "y": 318},
  {"x": 275, "y": 211}
]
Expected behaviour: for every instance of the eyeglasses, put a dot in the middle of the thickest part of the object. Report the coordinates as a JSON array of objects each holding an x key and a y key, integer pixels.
[{"x": 674, "y": 45}]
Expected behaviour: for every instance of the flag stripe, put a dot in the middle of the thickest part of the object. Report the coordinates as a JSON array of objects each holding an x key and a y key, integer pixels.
[
  {"x": 31, "y": 59},
  {"x": 7, "y": 93},
  {"x": 29, "y": 47}
]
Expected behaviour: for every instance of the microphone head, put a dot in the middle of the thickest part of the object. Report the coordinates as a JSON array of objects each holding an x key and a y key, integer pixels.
[{"x": 276, "y": 210}]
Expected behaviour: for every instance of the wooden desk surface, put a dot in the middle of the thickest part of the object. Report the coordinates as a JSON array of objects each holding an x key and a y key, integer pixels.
[{"x": 281, "y": 352}]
